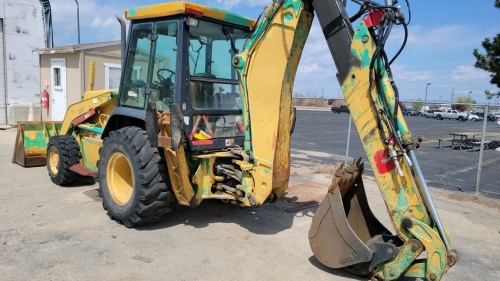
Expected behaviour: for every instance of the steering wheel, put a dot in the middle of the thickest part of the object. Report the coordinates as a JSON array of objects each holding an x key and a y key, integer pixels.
[{"x": 161, "y": 77}]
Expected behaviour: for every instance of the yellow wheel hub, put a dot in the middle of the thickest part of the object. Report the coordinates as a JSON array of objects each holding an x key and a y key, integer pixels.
[
  {"x": 120, "y": 178},
  {"x": 53, "y": 160}
]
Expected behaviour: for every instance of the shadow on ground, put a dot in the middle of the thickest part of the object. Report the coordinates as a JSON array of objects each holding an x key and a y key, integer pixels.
[{"x": 268, "y": 219}]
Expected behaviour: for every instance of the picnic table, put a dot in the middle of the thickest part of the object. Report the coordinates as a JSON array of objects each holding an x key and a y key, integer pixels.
[
  {"x": 462, "y": 141},
  {"x": 476, "y": 145}
]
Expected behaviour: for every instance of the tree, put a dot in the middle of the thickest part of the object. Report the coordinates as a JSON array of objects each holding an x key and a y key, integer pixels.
[
  {"x": 459, "y": 107},
  {"x": 490, "y": 94},
  {"x": 402, "y": 105},
  {"x": 490, "y": 61},
  {"x": 462, "y": 106},
  {"x": 418, "y": 104}
]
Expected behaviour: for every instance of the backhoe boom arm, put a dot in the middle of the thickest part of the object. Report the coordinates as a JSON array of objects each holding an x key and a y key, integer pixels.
[{"x": 267, "y": 66}]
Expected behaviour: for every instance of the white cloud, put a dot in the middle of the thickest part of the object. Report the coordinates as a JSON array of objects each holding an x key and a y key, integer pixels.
[
  {"x": 308, "y": 68},
  {"x": 402, "y": 74},
  {"x": 444, "y": 37},
  {"x": 465, "y": 72},
  {"x": 99, "y": 23},
  {"x": 228, "y": 4},
  {"x": 97, "y": 20}
]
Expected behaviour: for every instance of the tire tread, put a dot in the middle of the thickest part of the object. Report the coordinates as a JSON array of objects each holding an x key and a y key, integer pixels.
[{"x": 154, "y": 197}]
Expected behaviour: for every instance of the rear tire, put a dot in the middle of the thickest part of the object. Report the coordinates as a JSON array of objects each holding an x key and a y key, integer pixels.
[
  {"x": 133, "y": 178},
  {"x": 62, "y": 153}
]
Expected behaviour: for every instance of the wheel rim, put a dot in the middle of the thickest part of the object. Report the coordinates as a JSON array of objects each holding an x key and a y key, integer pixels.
[
  {"x": 120, "y": 178},
  {"x": 53, "y": 160}
]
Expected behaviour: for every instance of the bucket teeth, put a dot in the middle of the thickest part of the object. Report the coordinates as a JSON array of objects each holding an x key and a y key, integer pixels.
[{"x": 344, "y": 178}]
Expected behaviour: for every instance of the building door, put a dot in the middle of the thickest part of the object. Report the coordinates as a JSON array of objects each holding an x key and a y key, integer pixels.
[
  {"x": 58, "y": 101},
  {"x": 3, "y": 100}
]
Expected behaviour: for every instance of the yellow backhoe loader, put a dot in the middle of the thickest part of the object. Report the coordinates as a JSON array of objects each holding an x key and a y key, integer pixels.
[{"x": 204, "y": 112}]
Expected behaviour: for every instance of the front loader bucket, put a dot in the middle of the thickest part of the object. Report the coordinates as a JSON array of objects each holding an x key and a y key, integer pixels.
[
  {"x": 344, "y": 232},
  {"x": 31, "y": 142}
]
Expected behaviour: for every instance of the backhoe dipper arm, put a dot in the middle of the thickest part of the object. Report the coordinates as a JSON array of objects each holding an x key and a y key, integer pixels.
[{"x": 267, "y": 66}]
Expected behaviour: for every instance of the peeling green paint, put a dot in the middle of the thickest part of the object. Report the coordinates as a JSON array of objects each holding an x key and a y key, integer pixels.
[
  {"x": 294, "y": 6},
  {"x": 132, "y": 12},
  {"x": 233, "y": 18}
]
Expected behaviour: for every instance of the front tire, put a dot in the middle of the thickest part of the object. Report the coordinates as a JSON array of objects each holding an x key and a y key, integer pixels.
[
  {"x": 62, "y": 153},
  {"x": 133, "y": 178}
]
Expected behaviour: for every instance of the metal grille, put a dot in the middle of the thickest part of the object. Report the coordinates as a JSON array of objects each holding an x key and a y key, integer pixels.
[{"x": 93, "y": 194}]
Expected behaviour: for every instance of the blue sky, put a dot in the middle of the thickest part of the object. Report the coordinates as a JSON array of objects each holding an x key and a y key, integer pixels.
[{"x": 442, "y": 36}]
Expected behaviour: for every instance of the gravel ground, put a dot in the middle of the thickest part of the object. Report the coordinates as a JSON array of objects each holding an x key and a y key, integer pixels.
[{"x": 53, "y": 233}]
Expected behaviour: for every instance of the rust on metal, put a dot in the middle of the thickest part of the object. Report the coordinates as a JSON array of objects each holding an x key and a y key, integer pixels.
[
  {"x": 82, "y": 170},
  {"x": 344, "y": 178},
  {"x": 164, "y": 141},
  {"x": 305, "y": 195},
  {"x": 80, "y": 119},
  {"x": 343, "y": 226}
]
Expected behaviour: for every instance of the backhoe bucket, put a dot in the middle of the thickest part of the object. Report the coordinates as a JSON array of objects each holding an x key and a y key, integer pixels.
[
  {"x": 31, "y": 142},
  {"x": 344, "y": 232}
]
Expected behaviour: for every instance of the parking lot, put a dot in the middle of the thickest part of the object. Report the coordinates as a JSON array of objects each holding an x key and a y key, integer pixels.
[
  {"x": 324, "y": 135},
  {"x": 53, "y": 233}
]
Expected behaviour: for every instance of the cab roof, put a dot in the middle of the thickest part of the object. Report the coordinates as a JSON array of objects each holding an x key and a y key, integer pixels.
[{"x": 186, "y": 8}]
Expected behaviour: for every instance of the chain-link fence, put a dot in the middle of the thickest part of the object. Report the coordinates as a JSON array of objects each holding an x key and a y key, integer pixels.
[{"x": 457, "y": 150}]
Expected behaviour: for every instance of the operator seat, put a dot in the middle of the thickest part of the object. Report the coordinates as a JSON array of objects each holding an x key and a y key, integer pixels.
[
  {"x": 166, "y": 88},
  {"x": 202, "y": 93}
]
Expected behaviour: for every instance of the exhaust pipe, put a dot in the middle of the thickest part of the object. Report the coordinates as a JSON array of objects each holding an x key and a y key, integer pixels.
[{"x": 123, "y": 37}]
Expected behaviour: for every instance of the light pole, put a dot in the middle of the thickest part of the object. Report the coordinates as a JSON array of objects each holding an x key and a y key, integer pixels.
[
  {"x": 78, "y": 19},
  {"x": 468, "y": 99},
  {"x": 425, "y": 100}
]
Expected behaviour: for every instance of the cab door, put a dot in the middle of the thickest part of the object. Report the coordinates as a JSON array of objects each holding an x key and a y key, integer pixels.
[{"x": 150, "y": 70}]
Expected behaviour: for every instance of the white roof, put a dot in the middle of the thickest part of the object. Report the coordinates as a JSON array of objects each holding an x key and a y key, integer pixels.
[{"x": 74, "y": 48}]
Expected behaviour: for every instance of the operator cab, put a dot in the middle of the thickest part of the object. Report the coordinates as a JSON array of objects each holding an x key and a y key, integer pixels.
[{"x": 182, "y": 53}]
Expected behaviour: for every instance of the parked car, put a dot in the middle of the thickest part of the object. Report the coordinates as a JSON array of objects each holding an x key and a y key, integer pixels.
[
  {"x": 497, "y": 116},
  {"x": 340, "y": 109},
  {"x": 428, "y": 114},
  {"x": 411, "y": 112},
  {"x": 473, "y": 116},
  {"x": 450, "y": 114},
  {"x": 405, "y": 111},
  {"x": 492, "y": 117}
]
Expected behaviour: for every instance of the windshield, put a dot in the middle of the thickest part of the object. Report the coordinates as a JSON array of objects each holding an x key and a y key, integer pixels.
[{"x": 212, "y": 47}]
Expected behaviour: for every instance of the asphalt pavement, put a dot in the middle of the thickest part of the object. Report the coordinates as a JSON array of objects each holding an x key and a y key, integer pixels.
[{"x": 321, "y": 137}]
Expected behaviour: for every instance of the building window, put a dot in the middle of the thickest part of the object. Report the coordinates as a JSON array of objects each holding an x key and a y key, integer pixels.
[
  {"x": 57, "y": 76},
  {"x": 113, "y": 74}
]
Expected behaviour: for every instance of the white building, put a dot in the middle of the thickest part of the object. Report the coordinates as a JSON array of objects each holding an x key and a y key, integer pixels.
[{"x": 22, "y": 29}]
